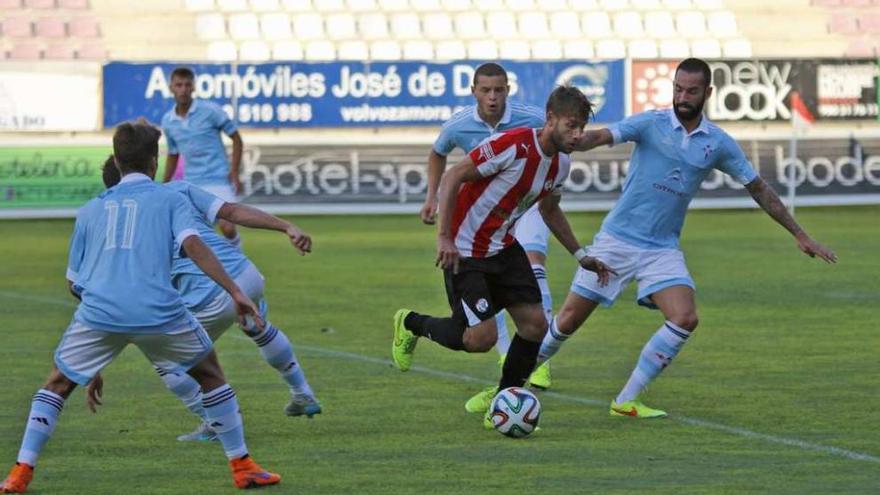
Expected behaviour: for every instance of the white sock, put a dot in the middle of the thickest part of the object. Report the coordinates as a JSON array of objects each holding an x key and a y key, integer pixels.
[
  {"x": 276, "y": 349},
  {"x": 503, "y": 342},
  {"x": 551, "y": 343},
  {"x": 43, "y": 416},
  {"x": 655, "y": 357},
  {"x": 546, "y": 298},
  {"x": 185, "y": 388},
  {"x": 224, "y": 417}
]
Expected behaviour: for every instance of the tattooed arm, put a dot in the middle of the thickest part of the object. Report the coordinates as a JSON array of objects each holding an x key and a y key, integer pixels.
[{"x": 769, "y": 201}]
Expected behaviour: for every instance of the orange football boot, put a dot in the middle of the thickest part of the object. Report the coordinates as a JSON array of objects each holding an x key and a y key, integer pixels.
[
  {"x": 248, "y": 474},
  {"x": 19, "y": 478}
]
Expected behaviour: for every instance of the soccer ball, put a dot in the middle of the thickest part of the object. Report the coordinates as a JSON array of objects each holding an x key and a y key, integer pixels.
[{"x": 515, "y": 412}]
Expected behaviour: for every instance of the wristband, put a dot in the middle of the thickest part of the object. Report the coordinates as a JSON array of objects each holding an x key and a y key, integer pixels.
[{"x": 580, "y": 254}]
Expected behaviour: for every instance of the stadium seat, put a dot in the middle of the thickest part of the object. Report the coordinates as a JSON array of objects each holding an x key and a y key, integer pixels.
[
  {"x": 59, "y": 51},
  {"x": 608, "y": 5},
  {"x": 677, "y": 4},
  {"x": 862, "y": 47},
  {"x": 50, "y": 27},
  {"x": 709, "y": 4},
  {"x": 320, "y": 50},
  {"x": 17, "y": 27},
  {"x": 92, "y": 51},
  {"x": 362, "y": 5},
  {"x": 341, "y": 26},
  {"x": 222, "y": 51},
  {"x": 287, "y": 50},
  {"x": 26, "y": 51},
  {"x": 456, "y": 5},
  {"x": 425, "y": 5},
  {"x": 645, "y": 5},
  {"x": 275, "y": 26},
  {"x": 265, "y": 5},
  {"x": 198, "y": 5},
  {"x": 676, "y": 48},
  {"x": 308, "y": 27},
  {"x": 210, "y": 26},
  {"x": 596, "y": 25},
  {"x": 533, "y": 25},
  {"x": 628, "y": 25},
  {"x": 554, "y": 6},
  {"x": 643, "y": 49},
  {"x": 244, "y": 27},
  {"x": 373, "y": 26},
  {"x": 737, "y": 48},
  {"x": 8, "y": 5},
  {"x": 482, "y": 50},
  {"x": 39, "y": 4},
  {"x": 660, "y": 25},
  {"x": 469, "y": 26},
  {"x": 721, "y": 24},
  {"x": 418, "y": 50},
  {"x": 515, "y": 50},
  {"x": 564, "y": 25},
  {"x": 579, "y": 50},
  {"x": 857, "y": 3},
  {"x": 297, "y": 5},
  {"x": 385, "y": 50},
  {"x": 870, "y": 23},
  {"x": 519, "y": 5},
  {"x": 406, "y": 26},
  {"x": 502, "y": 25},
  {"x": 825, "y": 3},
  {"x": 706, "y": 48},
  {"x": 254, "y": 51},
  {"x": 610, "y": 49},
  {"x": 438, "y": 26},
  {"x": 329, "y": 5},
  {"x": 546, "y": 50},
  {"x": 584, "y": 5},
  {"x": 450, "y": 50},
  {"x": 690, "y": 24},
  {"x": 490, "y": 5},
  {"x": 844, "y": 24},
  {"x": 232, "y": 5},
  {"x": 84, "y": 27},
  {"x": 352, "y": 50},
  {"x": 393, "y": 5}
]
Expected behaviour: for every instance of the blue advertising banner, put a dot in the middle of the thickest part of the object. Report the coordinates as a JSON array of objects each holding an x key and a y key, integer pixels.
[{"x": 351, "y": 94}]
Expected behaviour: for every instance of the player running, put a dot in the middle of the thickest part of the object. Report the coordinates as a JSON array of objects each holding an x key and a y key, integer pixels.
[
  {"x": 465, "y": 130},
  {"x": 484, "y": 266}
]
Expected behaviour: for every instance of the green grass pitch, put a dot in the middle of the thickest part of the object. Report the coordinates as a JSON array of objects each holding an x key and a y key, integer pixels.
[{"x": 776, "y": 393}]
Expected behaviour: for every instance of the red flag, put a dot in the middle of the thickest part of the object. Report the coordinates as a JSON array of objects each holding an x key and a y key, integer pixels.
[{"x": 800, "y": 114}]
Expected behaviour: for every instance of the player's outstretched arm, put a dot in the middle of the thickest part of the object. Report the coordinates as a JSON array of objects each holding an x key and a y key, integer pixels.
[
  {"x": 248, "y": 216},
  {"x": 205, "y": 259},
  {"x": 557, "y": 222},
  {"x": 170, "y": 167},
  {"x": 235, "y": 162},
  {"x": 436, "y": 167},
  {"x": 465, "y": 171},
  {"x": 594, "y": 139},
  {"x": 769, "y": 201}
]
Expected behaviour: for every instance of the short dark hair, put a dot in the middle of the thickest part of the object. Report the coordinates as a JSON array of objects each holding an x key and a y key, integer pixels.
[
  {"x": 694, "y": 65},
  {"x": 489, "y": 69},
  {"x": 570, "y": 101},
  {"x": 135, "y": 146},
  {"x": 183, "y": 72},
  {"x": 110, "y": 172}
]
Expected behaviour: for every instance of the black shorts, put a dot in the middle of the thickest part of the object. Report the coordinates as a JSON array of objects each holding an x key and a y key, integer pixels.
[{"x": 484, "y": 286}]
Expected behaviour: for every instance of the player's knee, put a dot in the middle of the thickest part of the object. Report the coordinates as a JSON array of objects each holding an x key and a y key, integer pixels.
[
  {"x": 479, "y": 341},
  {"x": 687, "y": 321},
  {"x": 59, "y": 384}
]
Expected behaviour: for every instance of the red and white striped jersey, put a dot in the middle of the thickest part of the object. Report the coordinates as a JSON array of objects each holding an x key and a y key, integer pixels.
[{"x": 516, "y": 174}]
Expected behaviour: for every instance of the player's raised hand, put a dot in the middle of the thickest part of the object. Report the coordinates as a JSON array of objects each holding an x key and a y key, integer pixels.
[
  {"x": 94, "y": 392},
  {"x": 428, "y": 213},
  {"x": 248, "y": 314},
  {"x": 812, "y": 249},
  {"x": 299, "y": 239},
  {"x": 447, "y": 254},
  {"x": 596, "y": 265}
]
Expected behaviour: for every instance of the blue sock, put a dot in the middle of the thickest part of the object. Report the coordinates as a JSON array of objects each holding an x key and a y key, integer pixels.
[
  {"x": 655, "y": 357},
  {"x": 503, "y": 342},
  {"x": 45, "y": 408},
  {"x": 278, "y": 352},
  {"x": 224, "y": 417},
  {"x": 185, "y": 388}
]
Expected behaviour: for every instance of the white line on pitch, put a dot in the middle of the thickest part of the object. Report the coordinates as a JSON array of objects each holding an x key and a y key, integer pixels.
[{"x": 733, "y": 430}]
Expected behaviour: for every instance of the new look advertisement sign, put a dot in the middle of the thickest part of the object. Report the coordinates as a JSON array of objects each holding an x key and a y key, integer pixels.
[{"x": 351, "y": 94}]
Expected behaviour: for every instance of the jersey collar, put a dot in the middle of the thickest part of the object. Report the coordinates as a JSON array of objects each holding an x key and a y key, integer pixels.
[
  {"x": 676, "y": 125},
  {"x": 505, "y": 118},
  {"x": 192, "y": 109},
  {"x": 134, "y": 177}
]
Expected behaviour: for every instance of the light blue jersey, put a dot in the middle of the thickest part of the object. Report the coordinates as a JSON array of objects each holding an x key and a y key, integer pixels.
[
  {"x": 466, "y": 129},
  {"x": 666, "y": 169},
  {"x": 121, "y": 252},
  {"x": 197, "y": 137},
  {"x": 196, "y": 288}
]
